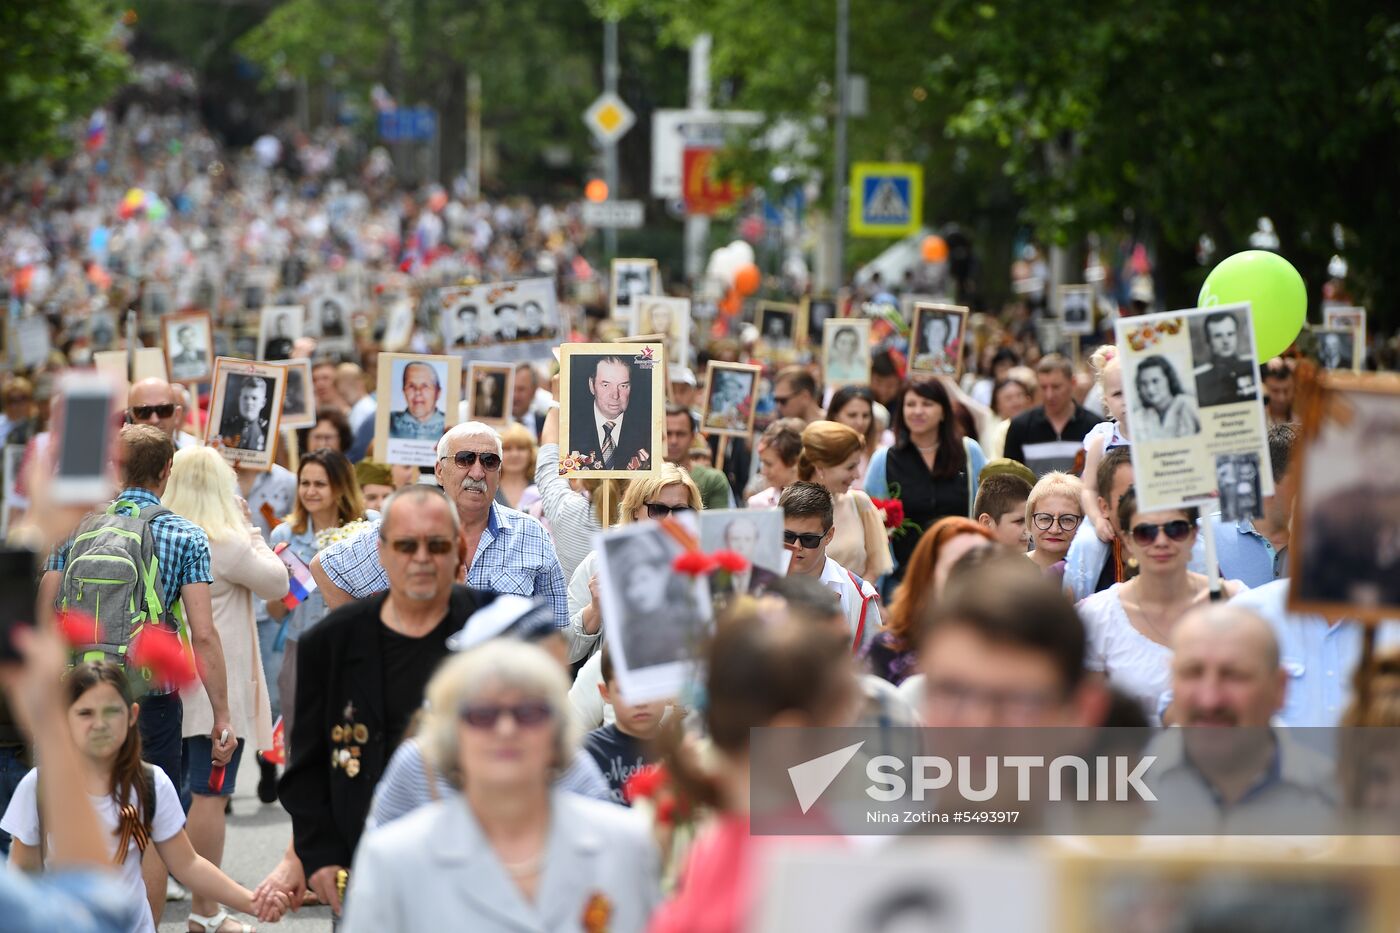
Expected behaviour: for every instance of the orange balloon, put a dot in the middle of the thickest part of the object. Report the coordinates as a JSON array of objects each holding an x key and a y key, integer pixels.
[
  {"x": 747, "y": 279},
  {"x": 934, "y": 248},
  {"x": 731, "y": 303},
  {"x": 596, "y": 190}
]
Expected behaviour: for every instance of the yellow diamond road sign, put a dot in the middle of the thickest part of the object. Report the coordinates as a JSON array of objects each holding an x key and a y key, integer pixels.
[{"x": 609, "y": 118}]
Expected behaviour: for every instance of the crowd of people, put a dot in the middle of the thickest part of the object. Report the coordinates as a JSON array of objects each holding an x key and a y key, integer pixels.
[{"x": 459, "y": 748}]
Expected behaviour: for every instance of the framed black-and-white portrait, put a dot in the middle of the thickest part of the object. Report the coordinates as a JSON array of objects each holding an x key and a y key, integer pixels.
[
  {"x": 279, "y": 327},
  {"x": 630, "y": 278},
  {"x": 654, "y": 618},
  {"x": 780, "y": 326},
  {"x": 245, "y": 411},
  {"x": 1345, "y": 557},
  {"x": 612, "y": 415},
  {"x": 188, "y": 342},
  {"x": 937, "y": 335},
  {"x": 489, "y": 390},
  {"x": 299, "y": 399},
  {"x": 846, "y": 352}
]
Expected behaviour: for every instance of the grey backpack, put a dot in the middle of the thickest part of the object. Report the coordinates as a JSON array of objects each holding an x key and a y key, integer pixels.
[{"x": 113, "y": 575}]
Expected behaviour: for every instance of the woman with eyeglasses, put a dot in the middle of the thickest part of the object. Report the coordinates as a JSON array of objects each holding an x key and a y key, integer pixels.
[
  {"x": 1130, "y": 624},
  {"x": 667, "y": 490},
  {"x": 1054, "y": 510},
  {"x": 508, "y": 851},
  {"x": 327, "y": 507}
]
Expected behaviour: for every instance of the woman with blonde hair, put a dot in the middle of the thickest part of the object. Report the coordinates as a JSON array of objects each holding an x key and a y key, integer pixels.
[
  {"x": 203, "y": 489},
  {"x": 1053, "y": 512},
  {"x": 666, "y": 490},
  {"x": 518, "y": 454},
  {"x": 508, "y": 844},
  {"x": 831, "y": 456}
]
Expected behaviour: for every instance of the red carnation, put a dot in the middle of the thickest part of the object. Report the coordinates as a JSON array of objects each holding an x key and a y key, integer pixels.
[
  {"x": 78, "y": 628},
  {"x": 163, "y": 654},
  {"x": 645, "y": 783},
  {"x": 731, "y": 561},
  {"x": 894, "y": 513},
  {"x": 694, "y": 564}
]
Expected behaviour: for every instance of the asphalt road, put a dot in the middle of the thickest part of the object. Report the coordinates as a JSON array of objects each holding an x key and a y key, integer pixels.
[{"x": 257, "y": 836}]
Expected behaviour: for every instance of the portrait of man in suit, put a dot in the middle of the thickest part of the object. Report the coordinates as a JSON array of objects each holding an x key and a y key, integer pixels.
[
  {"x": 741, "y": 537},
  {"x": 1227, "y": 377},
  {"x": 279, "y": 340},
  {"x": 246, "y": 416},
  {"x": 192, "y": 360},
  {"x": 468, "y": 327},
  {"x": 610, "y": 418}
]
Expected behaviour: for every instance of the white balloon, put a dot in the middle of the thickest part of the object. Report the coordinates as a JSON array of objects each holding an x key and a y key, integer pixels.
[
  {"x": 742, "y": 248},
  {"x": 725, "y": 265}
]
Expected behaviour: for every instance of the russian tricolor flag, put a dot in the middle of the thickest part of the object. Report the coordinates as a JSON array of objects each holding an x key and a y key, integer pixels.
[
  {"x": 298, "y": 592},
  {"x": 96, "y": 130}
]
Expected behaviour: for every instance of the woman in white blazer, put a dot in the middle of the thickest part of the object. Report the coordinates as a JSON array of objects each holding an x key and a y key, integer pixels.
[{"x": 507, "y": 853}]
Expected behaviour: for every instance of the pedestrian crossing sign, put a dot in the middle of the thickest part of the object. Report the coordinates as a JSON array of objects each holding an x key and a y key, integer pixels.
[{"x": 887, "y": 198}]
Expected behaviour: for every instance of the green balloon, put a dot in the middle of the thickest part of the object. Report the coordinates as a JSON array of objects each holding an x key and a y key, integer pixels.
[{"x": 1274, "y": 289}]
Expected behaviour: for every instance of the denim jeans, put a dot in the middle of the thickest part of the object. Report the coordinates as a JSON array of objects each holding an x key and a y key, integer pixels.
[
  {"x": 12, "y": 769},
  {"x": 161, "y": 722}
]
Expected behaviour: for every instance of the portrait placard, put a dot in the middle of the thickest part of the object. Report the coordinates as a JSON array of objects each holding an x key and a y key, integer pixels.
[
  {"x": 398, "y": 323},
  {"x": 731, "y": 398},
  {"x": 654, "y": 618},
  {"x": 661, "y": 314},
  {"x": 1337, "y": 348},
  {"x": 1345, "y": 558},
  {"x": 102, "y": 330},
  {"x": 755, "y": 534},
  {"x": 1076, "y": 309},
  {"x": 418, "y": 401},
  {"x": 259, "y": 285},
  {"x": 780, "y": 326},
  {"x": 818, "y": 311},
  {"x": 936, "y": 338},
  {"x": 157, "y": 299},
  {"x": 1350, "y": 318},
  {"x": 245, "y": 411},
  {"x": 846, "y": 352},
  {"x": 29, "y": 341},
  {"x": 630, "y": 278},
  {"x": 501, "y": 322},
  {"x": 612, "y": 415},
  {"x": 188, "y": 342},
  {"x": 490, "y": 387},
  {"x": 279, "y": 327},
  {"x": 329, "y": 319},
  {"x": 1192, "y": 390},
  {"x": 298, "y": 401}
]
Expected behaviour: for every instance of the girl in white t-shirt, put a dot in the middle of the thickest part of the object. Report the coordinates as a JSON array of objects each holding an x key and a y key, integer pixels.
[{"x": 137, "y": 803}]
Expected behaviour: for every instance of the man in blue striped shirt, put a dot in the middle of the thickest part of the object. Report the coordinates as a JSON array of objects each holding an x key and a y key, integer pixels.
[{"x": 507, "y": 551}]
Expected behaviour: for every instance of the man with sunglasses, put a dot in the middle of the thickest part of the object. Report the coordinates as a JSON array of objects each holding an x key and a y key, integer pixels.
[
  {"x": 809, "y": 523},
  {"x": 507, "y": 551},
  {"x": 795, "y": 395},
  {"x": 361, "y": 675},
  {"x": 153, "y": 401}
]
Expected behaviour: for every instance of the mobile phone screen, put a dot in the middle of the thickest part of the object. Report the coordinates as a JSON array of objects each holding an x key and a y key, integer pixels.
[
  {"x": 19, "y": 592},
  {"x": 86, "y": 423}
]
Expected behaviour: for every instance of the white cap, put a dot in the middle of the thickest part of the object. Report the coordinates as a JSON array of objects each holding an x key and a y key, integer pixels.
[{"x": 683, "y": 375}]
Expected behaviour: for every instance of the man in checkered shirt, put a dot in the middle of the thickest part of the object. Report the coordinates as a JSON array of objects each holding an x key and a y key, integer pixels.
[
  {"x": 183, "y": 551},
  {"x": 507, "y": 551}
]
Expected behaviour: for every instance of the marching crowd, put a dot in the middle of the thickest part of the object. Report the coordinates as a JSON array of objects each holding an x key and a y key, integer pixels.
[{"x": 458, "y": 753}]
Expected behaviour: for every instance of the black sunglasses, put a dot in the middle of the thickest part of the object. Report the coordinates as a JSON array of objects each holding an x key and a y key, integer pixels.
[
  {"x": 487, "y": 715},
  {"x": 142, "y": 412},
  {"x": 1044, "y": 521},
  {"x": 465, "y": 458},
  {"x": 1176, "y": 530},
  {"x": 661, "y": 510},
  {"x": 809, "y": 542},
  {"x": 409, "y": 546}
]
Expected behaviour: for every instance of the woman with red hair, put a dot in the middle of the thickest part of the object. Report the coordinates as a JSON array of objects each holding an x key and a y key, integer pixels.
[{"x": 892, "y": 653}]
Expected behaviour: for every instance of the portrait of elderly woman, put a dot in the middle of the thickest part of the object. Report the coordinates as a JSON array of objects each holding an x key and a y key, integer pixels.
[
  {"x": 507, "y": 850},
  {"x": 1162, "y": 408}
]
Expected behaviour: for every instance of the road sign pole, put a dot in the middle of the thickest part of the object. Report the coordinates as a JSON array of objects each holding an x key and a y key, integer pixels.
[
  {"x": 838, "y": 181},
  {"x": 697, "y": 226},
  {"x": 610, "y": 149}
]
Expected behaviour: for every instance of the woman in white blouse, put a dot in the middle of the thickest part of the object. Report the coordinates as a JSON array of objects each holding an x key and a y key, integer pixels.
[{"x": 1130, "y": 624}]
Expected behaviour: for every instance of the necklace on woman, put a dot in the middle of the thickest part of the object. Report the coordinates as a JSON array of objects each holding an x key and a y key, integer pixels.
[
  {"x": 1157, "y": 629},
  {"x": 528, "y": 866}
]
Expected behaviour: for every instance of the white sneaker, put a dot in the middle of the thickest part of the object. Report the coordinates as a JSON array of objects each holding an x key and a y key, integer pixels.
[{"x": 174, "y": 891}]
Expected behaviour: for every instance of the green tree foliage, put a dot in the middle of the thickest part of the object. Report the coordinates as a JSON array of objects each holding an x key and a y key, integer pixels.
[
  {"x": 61, "y": 60},
  {"x": 1170, "y": 117}
]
